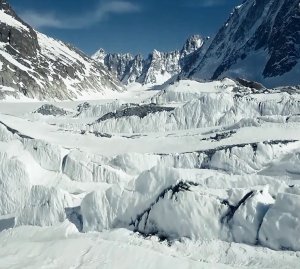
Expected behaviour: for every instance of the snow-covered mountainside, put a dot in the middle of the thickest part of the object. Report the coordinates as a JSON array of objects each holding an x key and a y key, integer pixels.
[
  {"x": 260, "y": 41},
  {"x": 195, "y": 175},
  {"x": 36, "y": 66},
  {"x": 190, "y": 174},
  {"x": 156, "y": 69}
]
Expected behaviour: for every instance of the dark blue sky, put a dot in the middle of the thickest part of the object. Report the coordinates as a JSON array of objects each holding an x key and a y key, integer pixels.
[{"x": 136, "y": 26}]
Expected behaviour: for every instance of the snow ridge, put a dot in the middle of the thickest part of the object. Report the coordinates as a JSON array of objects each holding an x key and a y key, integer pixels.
[
  {"x": 264, "y": 35},
  {"x": 38, "y": 67}
]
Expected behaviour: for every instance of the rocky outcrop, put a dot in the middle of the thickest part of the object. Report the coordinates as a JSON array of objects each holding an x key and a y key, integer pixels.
[
  {"x": 260, "y": 41},
  {"x": 37, "y": 66},
  {"x": 191, "y": 45}
]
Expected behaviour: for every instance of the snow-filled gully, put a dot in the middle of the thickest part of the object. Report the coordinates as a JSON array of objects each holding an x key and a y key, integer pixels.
[{"x": 226, "y": 170}]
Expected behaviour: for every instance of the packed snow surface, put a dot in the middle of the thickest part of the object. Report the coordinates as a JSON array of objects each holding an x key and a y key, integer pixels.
[{"x": 185, "y": 175}]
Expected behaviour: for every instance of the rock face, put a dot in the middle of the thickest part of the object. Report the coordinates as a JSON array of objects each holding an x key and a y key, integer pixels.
[
  {"x": 260, "y": 41},
  {"x": 37, "y": 66},
  {"x": 191, "y": 45},
  {"x": 156, "y": 69}
]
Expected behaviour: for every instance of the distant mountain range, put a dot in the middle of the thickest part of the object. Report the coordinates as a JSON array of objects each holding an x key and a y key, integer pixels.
[
  {"x": 37, "y": 66},
  {"x": 156, "y": 69}
]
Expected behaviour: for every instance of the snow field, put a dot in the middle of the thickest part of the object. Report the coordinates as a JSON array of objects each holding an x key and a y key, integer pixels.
[{"x": 237, "y": 189}]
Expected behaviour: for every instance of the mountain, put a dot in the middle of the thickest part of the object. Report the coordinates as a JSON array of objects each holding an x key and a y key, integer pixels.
[
  {"x": 260, "y": 41},
  {"x": 191, "y": 45},
  {"x": 193, "y": 174},
  {"x": 156, "y": 69},
  {"x": 37, "y": 66}
]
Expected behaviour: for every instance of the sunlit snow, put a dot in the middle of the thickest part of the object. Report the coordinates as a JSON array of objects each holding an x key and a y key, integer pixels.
[{"x": 194, "y": 186}]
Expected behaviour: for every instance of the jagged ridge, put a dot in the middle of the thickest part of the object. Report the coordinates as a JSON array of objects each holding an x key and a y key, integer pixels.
[
  {"x": 156, "y": 69},
  {"x": 37, "y": 66}
]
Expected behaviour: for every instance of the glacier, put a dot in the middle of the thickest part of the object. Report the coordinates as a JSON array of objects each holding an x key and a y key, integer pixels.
[
  {"x": 177, "y": 160},
  {"x": 203, "y": 170}
]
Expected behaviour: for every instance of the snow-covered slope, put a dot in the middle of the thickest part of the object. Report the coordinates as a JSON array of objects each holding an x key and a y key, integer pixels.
[
  {"x": 36, "y": 66},
  {"x": 189, "y": 174},
  {"x": 197, "y": 175},
  {"x": 259, "y": 41},
  {"x": 156, "y": 69}
]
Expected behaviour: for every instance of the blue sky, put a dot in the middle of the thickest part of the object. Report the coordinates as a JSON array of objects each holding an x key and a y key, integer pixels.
[{"x": 136, "y": 26}]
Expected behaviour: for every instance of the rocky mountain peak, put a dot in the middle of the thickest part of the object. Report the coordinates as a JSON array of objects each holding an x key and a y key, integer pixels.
[
  {"x": 15, "y": 33},
  {"x": 155, "y": 53},
  {"x": 260, "y": 41},
  {"x": 7, "y": 8},
  {"x": 156, "y": 68},
  {"x": 99, "y": 55},
  {"x": 30, "y": 66},
  {"x": 191, "y": 45},
  {"x": 4, "y": 5}
]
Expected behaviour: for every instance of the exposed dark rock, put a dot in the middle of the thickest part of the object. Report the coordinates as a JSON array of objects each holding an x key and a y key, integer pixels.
[
  {"x": 284, "y": 40},
  {"x": 191, "y": 45},
  {"x": 98, "y": 134},
  {"x": 135, "y": 136},
  {"x": 250, "y": 84},
  {"x": 253, "y": 145},
  {"x": 82, "y": 107},
  {"x": 51, "y": 110},
  {"x": 24, "y": 42},
  {"x": 220, "y": 136},
  {"x": 208, "y": 154},
  {"x": 260, "y": 41},
  {"x": 135, "y": 110},
  {"x": 44, "y": 68}
]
